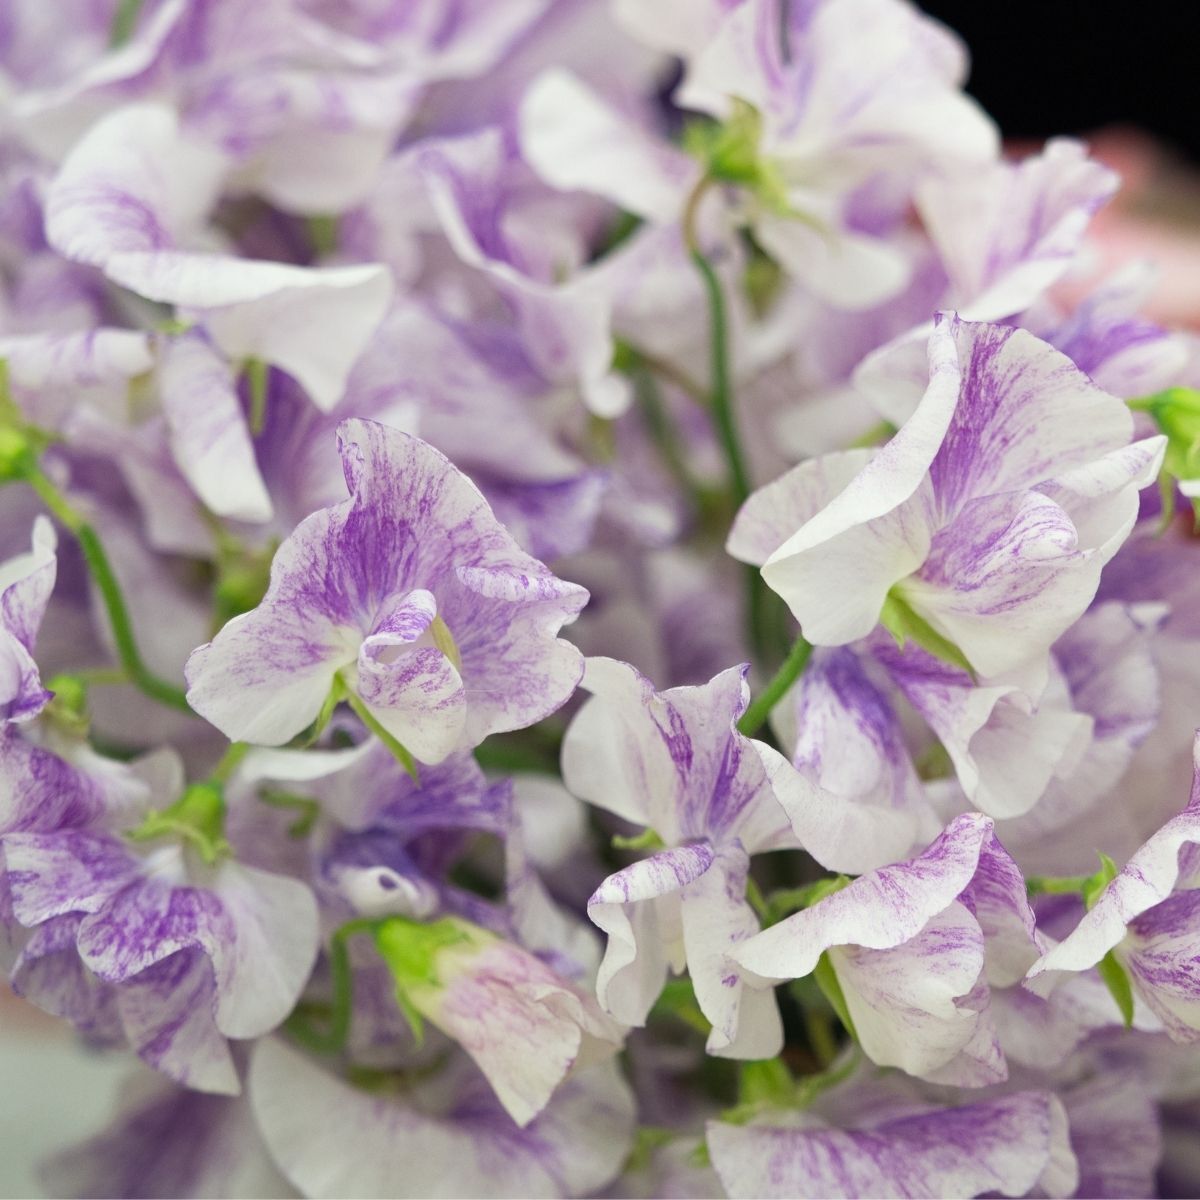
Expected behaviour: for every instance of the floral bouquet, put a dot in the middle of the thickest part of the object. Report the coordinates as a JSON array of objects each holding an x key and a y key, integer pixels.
[{"x": 587, "y": 608}]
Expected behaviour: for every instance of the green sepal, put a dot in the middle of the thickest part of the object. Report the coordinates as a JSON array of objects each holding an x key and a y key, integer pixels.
[
  {"x": 831, "y": 988},
  {"x": 1088, "y": 887},
  {"x": 198, "y": 817},
  {"x": 1176, "y": 412},
  {"x": 1094, "y": 884},
  {"x": 18, "y": 457},
  {"x": 413, "y": 952},
  {"x": 411, "y": 949},
  {"x": 906, "y": 625},
  {"x": 648, "y": 839},
  {"x": 765, "y": 1081},
  {"x": 646, "y": 1140},
  {"x": 731, "y": 153},
  {"x": 783, "y": 901},
  {"x": 678, "y": 1000},
  {"x": 68, "y": 710},
  {"x": 1116, "y": 979}
]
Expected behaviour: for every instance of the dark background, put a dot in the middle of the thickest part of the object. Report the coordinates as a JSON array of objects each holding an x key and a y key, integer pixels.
[{"x": 1069, "y": 67}]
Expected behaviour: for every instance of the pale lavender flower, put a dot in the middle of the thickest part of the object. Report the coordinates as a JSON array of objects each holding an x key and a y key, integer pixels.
[
  {"x": 445, "y": 1134},
  {"x": 1148, "y": 919},
  {"x": 675, "y": 763},
  {"x": 415, "y": 594},
  {"x": 25, "y": 586},
  {"x": 990, "y": 514},
  {"x": 916, "y": 946}
]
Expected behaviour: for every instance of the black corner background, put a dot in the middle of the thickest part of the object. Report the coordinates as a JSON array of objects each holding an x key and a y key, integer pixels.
[{"x": 1064, "y": 66}]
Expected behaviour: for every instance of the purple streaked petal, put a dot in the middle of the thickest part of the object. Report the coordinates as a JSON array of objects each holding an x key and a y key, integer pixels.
[
  {"x": 672, "y": 760},
  {"x": 1146, "y": 880},
  {"x": 1006, "y": 1146},
  {"x": 639, "y": 909},
  {"x": 880, "y": 910},
  {"x": 1007, "y": 233},
  {"x": 855, "y": 801},
  {"x": 918, "y": 1006},
  {"x": 449, "y": 1137},
  {"x": 208, "y": 433},
  {"x": 716, "y": 916}
]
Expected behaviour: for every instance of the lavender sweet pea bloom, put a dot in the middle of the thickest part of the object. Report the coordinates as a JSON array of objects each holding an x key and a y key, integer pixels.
[
  {"x": 904, "y": 117},
  {"x": 526, "y": 1028},
  {"x": 1148, "y": 919},
  {"x": 147, "y": 945},
  {"x": 1009, "y": 1145},
  {"x": 674, "y": 762},
  {"x": 915, "y": 947},
  {"x": 869, "y": 807},
  {"x": 443, "y": 1134},
  {"x": 25, "y": 586},
  {"x": 989, "y": 515},
  {"x": 132, "y": 199},
  {"x": 414, "y": 595}
]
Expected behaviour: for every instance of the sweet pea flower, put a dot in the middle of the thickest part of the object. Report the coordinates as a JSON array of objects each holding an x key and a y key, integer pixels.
[
  {"x": 1009, "y": 1145},
  {"x": 149, "y": 943},
  {"x": 26, "y": 582},
  {"x": 411, "y": 593},
  {"x": 915, "y": 948},
  {"x": 820, "y": 142},
  {"x": 1146, "y": 921},
  {"x": 525, "y": 1027},
  {"x": 442, "y": 1134},
  {"x": 981, "y": 526},
  {"x": 132, "y": 199},
  {"x": 674, "y": 762}
]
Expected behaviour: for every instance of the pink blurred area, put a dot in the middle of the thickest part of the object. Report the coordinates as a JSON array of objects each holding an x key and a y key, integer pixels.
[{"x": 1155, "y": 218}]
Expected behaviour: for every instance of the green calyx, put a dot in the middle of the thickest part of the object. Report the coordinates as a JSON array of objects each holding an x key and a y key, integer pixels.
[
  {"x": 731, "y": 152},
  {"x": 1088, "y": 887},
  {"x": 768, "y": 1085},
  {"x": 648, "y": 839},
  {"x": 782, "y": 902},
  {"x": 1176, "y": 412},
  {"x": 17, "y": 455},
  {"x": 906, "y": 625},
  {"x": 414, "y": 954},
  {"x": 197, "y": 817},
  {"x": 69, "y": 708}
]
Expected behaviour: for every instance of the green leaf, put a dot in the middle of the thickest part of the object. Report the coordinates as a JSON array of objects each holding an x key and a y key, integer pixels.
[
  {"x": 906, "y": 625},
  {"x": 1117, "y": 980}
]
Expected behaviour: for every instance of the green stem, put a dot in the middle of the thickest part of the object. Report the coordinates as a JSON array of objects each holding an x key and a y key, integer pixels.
[
  {"x": 760, "y": 709},
  {"x": 105, "y": 579},
  {"x": 256, "y": 376},
  {"x": 341, "y": 974},
  {"x": 124, "y": 22},
  {"x": 721, "y": 393},
  {"x": 229, "y": 762},
  {"x": 402, "y": 755}
]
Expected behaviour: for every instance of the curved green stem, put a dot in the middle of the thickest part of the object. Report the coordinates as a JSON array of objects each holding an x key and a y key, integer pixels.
[
  {"x": 333, "y": 1039},
  {"x": 105, "y": 579},
  {"x": 760, "y": 709},
  {"x": 402, "y": 755}
]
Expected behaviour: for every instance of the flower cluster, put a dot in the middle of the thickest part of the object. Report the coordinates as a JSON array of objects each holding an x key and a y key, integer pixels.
[{"x": 813, "y": 824}]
